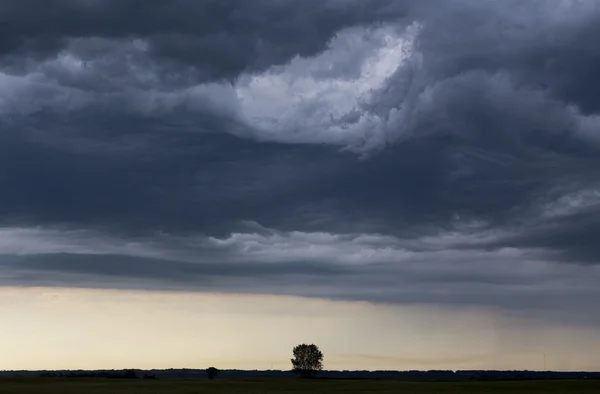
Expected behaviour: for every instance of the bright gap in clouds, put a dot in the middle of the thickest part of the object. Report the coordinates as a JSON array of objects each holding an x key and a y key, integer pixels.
[{"x": 58, "y": 328}]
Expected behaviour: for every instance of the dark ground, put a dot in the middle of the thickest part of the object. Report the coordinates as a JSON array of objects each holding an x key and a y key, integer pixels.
[{"x": 276, "y": 386}]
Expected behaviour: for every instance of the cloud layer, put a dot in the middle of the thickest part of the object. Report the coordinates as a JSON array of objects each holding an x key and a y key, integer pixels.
[{"x": 397, "y": 151}]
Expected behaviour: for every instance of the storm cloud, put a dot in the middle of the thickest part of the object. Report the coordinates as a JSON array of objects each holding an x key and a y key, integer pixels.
[{"x": 386, "y": 151}]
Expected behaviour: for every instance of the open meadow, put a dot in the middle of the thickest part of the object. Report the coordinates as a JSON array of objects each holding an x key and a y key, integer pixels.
[{"x": 277, "y": 386}]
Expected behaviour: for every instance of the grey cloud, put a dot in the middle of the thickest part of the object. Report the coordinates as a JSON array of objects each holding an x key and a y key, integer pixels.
[
  {"x": 570, "y": 238},
  {"x": 460, "y": 129},
  {"x": 149, "y": 268}
]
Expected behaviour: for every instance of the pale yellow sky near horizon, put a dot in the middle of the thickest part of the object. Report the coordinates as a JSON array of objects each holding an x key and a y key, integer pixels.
[{"x": 60, "y": 328}]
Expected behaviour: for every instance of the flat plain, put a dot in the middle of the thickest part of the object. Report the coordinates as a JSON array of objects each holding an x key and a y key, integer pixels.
[{"x": 281, "y": 386}]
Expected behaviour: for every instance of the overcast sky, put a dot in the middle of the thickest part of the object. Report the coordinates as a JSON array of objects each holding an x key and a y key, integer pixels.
[{"x": 440, "y": 154}]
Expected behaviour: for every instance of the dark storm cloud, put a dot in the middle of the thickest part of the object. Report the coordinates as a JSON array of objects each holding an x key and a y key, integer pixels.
[
  {"x": 570, "y": 238},
  {"x": 468, "y": 156},
  {"x": 127, "y": 266},
  {"x": 204, "y": 39},
  {"x": 209, "y": 183},
  {"x": 205, "y": 182}
]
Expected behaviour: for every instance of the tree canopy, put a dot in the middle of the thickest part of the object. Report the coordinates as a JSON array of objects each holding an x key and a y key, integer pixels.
[
  {"x": 212, "y": 372},
  {"x": 307, "y": 361}
]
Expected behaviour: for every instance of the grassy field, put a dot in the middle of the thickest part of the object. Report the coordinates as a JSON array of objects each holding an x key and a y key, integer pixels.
[{"x": 276, "y": 386}]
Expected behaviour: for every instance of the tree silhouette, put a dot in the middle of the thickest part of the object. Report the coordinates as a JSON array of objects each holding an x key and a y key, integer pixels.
[
  {"x": 307, "y": 361},
  {"x": 212, "y": 372}
]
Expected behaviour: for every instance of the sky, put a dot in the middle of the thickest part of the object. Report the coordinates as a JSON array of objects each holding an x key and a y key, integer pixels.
[{"x": 408, "y": 184}]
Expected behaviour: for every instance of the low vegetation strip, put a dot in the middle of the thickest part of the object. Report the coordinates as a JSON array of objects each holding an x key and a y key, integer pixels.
[{"x": 282, "y": 386}]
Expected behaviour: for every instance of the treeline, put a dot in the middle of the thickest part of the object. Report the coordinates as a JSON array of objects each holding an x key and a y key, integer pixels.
[
  {"x": 432, "y": 375},
  {"x": 126, "y": 374}
]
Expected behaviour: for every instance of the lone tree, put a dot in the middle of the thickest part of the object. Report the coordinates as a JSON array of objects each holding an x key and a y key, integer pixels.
[
  {"x": 212, "y": 372},
  {"x": 307, "y": 361}
]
